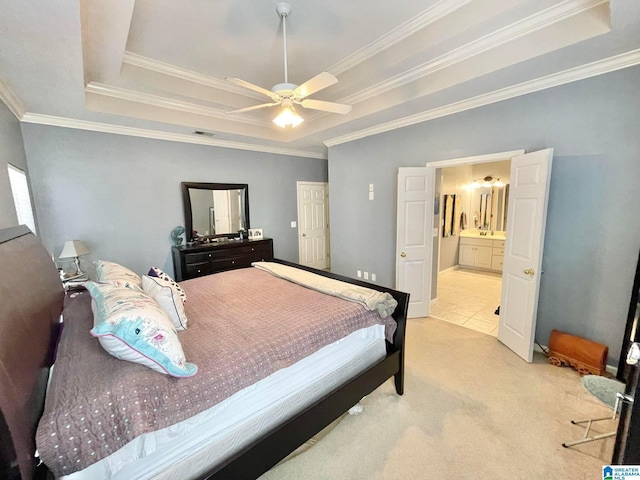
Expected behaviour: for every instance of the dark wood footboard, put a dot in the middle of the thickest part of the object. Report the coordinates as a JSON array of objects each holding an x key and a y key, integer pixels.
[{"x": 268, "y": 450}]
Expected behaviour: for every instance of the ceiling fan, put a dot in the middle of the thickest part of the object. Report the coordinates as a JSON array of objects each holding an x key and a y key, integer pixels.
[{"x": 287, "y": 94}]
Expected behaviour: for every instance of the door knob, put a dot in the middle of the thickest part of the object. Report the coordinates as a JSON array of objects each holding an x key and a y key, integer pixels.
[
  {"x": 529, "y": 271},
  {"x": 304, "y": 234},
  {"x": 403, "y": 254}
]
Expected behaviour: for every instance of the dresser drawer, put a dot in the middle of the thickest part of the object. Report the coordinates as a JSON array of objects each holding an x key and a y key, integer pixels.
[
  {"x": 198, "y": 269},
  {"x": 193, "y": 258},
  {"x": 498, "y": 244},
  {"x": 498, "y": 251}
]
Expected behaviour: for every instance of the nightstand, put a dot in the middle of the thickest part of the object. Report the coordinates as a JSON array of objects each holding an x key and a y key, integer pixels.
[{"x": 75, "y": 283}]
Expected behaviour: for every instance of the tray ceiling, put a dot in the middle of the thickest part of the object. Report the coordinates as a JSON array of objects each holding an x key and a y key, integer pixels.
[{"x": 156, "y": 68}]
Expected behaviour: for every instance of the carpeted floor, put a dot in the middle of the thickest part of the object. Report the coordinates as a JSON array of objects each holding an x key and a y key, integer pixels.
[{"x": 471, "y": 410}]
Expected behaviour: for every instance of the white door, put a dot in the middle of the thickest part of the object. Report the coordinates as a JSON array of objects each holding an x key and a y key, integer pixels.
[
  {"x": 414, "y": 243},
  {"x": 526, "y": 220},
  {"x": 313, "y": 224}
]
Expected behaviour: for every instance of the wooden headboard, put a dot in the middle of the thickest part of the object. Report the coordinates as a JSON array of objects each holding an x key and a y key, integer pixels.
[{"x": 31, "y": 301}]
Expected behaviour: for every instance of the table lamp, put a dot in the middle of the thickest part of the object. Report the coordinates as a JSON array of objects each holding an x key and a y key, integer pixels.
[{"x": 73, "y": 249}]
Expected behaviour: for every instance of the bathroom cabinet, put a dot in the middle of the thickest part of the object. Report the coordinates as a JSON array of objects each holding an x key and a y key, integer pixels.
[{"x": 484, "y": 253}]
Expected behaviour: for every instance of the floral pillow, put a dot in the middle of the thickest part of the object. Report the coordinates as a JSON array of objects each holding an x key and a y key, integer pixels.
[
  {"x": 133, "y": 327},
  {"x": 168, "y": 298},
  {"x": 110, "y": 272},
  {"x": 156, "y": 272}
]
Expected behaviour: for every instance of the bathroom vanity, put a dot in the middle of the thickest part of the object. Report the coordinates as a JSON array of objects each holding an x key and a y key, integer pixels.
[{"x": 481, "y": 251}]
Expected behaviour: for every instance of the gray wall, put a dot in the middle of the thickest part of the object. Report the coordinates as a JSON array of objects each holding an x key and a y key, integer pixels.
[
  {"x": 121, "y": 195},
  {"x": 11, "y": 151},
  {"x": 593, "y": 226}
]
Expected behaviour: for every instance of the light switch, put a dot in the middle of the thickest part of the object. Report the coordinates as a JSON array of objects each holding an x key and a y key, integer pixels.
[
  {"x": 435, "y": 232},
  {"x": 371, "y": 187},
  {"x": 293, "y": 224},
  {"x": 370, "y": 195}
]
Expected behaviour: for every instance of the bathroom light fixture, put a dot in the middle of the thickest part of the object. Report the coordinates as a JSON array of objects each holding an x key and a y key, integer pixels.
[
  {"x": 288, "y": 115},
  {"x": 486, "y": 182}
]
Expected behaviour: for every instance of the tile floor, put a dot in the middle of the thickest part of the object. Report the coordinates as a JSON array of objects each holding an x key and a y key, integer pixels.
[{"x": 469, "y": 298}]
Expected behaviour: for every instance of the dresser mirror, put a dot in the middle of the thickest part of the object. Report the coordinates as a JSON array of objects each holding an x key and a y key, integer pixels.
[{"x": 214, "y": 210}]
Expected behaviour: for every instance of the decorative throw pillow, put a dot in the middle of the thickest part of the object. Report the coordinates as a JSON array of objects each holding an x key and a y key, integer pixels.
[
  {"x": 133, "y": 327},
  {"x": 168, "y": 298},
  {"x": 156, "y": 272},
  {"x": 110, "y": 272}
]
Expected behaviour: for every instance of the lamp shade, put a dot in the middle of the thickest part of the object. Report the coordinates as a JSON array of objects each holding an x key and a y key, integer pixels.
[{"x": 73, "y": 248}]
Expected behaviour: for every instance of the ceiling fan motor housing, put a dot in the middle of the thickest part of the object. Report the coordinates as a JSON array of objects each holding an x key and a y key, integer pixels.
[{"x": 284, "y": 89}]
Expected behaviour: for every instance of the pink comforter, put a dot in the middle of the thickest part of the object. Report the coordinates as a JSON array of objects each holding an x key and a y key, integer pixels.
[{"x": 243, "y": 325}]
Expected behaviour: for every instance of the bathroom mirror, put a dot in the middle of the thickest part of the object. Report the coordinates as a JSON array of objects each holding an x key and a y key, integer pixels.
[
  {"x": 490, "y": 208},
  {"x": 215, "y": 209}
]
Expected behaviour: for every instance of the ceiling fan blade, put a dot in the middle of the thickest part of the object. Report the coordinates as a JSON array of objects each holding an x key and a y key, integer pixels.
[
  {"x": 320, "y": 81},
  {"x": 255, "y": 88},
  {"x": 255, "y": 107},
  {"x": 326, "y": 106}
]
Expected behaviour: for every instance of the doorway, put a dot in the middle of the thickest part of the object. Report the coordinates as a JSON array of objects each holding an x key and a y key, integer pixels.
[{"x": 470, "y": 247}]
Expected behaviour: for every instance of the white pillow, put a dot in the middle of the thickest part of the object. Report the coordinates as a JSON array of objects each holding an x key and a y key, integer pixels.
[
  {"x": 111, "y": 272},
  {"x": 133, "y": 327},
  {"x": 168, "y": 298},
  {"x": 156, "y": 272}
]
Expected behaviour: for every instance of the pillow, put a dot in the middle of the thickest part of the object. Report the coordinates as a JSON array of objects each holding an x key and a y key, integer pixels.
[
  {"x": 156, "y": 272},
  {"x": 131, "y": 326},
  {"x": 162, "y": 292},
  {"x": 110, "y": 272}
]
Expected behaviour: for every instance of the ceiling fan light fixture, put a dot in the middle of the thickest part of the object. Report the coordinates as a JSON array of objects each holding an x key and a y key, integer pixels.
[{"x": 288, "y": 116}]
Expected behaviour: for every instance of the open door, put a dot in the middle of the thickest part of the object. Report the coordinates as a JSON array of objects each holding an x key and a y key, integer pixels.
[
  {"x": 526, "y": 220},
  {"x": 414, "y": 243}
]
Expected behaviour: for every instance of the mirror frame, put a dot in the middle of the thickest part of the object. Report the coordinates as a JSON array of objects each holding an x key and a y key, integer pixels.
[{"x": 188, "y": 214}]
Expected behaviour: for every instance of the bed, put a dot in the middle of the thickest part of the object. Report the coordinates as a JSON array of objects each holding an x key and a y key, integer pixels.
[{"x": 29, "y": 330}]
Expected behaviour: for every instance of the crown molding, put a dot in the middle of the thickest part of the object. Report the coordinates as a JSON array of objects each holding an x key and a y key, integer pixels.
[
  {"x": 163, "y": 102},
  {"x": 163, "y": 68},
  {"x": 39, "y": 119},
  {"x": 10, "y": 99},
  {"x": 490, "y": 41},
  {"x": 424, "y": 19},
  {"x": 611, "y": 64}
]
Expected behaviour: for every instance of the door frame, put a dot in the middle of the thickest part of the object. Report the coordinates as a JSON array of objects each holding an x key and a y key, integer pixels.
[
  {"x": 455, "y": 162},
  {"x": 327, "y": 233}
]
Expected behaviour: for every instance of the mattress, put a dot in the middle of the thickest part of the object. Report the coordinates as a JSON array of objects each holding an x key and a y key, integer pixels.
[{"x": 191, "y": 447}]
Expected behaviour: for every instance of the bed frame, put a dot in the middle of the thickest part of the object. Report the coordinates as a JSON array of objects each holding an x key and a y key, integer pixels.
[{"x": 29, "y": 329}]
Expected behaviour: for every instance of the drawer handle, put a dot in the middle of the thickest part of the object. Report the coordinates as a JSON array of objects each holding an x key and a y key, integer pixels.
[
  {"x": 198, "y": 271},
  {"x": 209, "y": 255},
  {"x": 252, "y": 249},
  {"x": 233, "y": 262}
]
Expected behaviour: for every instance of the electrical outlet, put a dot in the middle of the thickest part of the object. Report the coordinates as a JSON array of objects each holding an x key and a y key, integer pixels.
[
  {"x": 370, "y": 195},
  {"x": 366, "y": 275},
  {"x": 373, "y": 277},
  {"x": 371, "y": 187},
  {"x": 359, "y": 273}
]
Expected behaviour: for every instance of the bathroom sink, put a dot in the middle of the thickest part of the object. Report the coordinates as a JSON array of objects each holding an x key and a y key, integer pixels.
[{"x": 483, "y": 234}]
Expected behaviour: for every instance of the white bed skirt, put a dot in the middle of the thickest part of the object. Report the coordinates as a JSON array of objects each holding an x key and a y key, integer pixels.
[{"x": 190, "y": 448}]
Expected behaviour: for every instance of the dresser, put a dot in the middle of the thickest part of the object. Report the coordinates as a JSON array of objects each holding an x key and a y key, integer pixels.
[{"x": 193, "y": 261}]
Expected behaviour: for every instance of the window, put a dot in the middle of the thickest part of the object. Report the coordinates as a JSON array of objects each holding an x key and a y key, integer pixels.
[{"x": 21, "y": 197}]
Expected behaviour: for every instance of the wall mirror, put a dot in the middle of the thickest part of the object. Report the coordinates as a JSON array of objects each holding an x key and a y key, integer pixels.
[{"x": 215, "y": 209}]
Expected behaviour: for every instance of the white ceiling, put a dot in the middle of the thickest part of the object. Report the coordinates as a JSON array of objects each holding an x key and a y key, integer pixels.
[{"x": 156, "y": 68}]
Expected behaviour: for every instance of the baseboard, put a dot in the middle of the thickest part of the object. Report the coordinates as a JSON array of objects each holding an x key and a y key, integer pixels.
[
  {"x": 455, "y": 267},
  {"x": 609, "y": 368}
]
